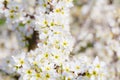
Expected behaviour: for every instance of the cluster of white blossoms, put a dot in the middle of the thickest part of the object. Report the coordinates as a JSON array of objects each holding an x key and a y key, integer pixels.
[
  {"x": 20, "y": 19},
  {"x": 51, "y": 60},
  {"x": 101, "y": 34},
  {"x": 51, "y": 64}
]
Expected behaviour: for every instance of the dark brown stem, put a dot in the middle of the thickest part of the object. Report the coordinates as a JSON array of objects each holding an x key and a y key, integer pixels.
[{"x": 32, "y": 42}]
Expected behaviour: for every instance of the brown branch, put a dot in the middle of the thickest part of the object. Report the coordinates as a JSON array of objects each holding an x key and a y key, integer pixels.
[{"x": 32, "y": 42}]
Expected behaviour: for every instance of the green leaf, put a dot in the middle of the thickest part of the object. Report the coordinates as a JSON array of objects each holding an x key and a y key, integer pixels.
[
  {"x": 2, "y": 21},
  {"x": 21, "y": 24}
]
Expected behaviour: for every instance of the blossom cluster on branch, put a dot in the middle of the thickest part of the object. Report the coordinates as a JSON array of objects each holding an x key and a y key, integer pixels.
[{"x": 51, "y": 59}]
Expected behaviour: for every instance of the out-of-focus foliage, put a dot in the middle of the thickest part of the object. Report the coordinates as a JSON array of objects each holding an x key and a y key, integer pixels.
[{"x": 2, "y": 21}]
